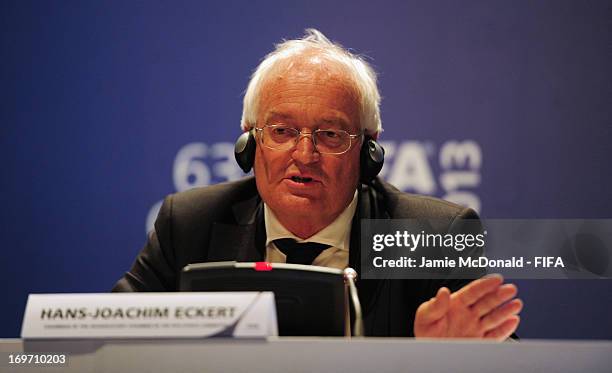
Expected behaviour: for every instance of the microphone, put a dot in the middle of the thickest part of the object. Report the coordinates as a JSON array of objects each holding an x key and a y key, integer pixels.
[{"x": 350, "y": 276}]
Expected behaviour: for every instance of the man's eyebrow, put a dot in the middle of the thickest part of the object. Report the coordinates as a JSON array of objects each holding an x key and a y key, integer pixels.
[
  {"x": 334, "y": 121},
  {"x": 277, "y": 115},
  {"x": 326, "y": 120}
]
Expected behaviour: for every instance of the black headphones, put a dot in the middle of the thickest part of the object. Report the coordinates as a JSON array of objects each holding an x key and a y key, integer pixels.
[{"x": 371, "y": 158}]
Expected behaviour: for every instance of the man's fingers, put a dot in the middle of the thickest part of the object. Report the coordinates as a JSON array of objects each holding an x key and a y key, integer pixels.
[
  {"x": 472, "y": 292},
  {"x": 505, "y": 330},
  {"x": 435, "y": 308},
  {"x": 494, "y": 299},
  {"x": 502, "y": 314}
]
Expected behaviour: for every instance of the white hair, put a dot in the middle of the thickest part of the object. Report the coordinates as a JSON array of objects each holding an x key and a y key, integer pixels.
[{"x": 361, "y": 74}]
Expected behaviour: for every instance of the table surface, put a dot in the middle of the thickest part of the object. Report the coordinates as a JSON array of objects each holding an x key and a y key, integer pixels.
[{"x": 315, "y": 354}]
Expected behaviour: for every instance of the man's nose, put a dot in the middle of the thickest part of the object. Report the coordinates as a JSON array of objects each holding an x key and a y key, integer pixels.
[{"x": 305, "y": 150}]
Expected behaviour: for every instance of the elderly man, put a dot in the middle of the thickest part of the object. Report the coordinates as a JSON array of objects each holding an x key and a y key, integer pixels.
[{"x": 308, "y": 111}]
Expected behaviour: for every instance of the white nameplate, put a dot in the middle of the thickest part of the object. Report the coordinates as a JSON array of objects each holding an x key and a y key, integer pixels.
[{"x": 150, "y": 315}]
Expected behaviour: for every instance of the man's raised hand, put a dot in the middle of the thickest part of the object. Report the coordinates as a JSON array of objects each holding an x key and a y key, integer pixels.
[{"x": 484, "y": 308}]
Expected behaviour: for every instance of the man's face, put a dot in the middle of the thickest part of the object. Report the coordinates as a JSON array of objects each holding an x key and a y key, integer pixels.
[{"x": 308, "y": 94}]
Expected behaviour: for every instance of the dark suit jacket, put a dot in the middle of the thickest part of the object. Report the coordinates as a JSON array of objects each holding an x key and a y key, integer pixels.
[{"x": 225, "y": 222}]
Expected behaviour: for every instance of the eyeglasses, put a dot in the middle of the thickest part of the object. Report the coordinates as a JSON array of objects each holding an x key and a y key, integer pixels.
[{"x": 330, "y": 141}]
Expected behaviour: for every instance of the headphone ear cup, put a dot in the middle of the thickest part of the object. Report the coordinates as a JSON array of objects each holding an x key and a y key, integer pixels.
[
  {"x": 372, "y": 159},
  {"x": 244, "y": 151}
]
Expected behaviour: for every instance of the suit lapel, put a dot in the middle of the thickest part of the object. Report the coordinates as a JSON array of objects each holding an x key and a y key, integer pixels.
[
  {"x": 243, "y": 241},
  {"x": 369, "y": 207}
]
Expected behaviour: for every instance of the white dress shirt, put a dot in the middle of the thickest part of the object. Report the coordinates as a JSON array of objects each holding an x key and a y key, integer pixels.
[{"x": 337, "y": 235}]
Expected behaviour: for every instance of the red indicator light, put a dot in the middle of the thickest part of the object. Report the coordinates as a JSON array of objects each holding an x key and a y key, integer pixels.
[{"x": 263, "y": 266}]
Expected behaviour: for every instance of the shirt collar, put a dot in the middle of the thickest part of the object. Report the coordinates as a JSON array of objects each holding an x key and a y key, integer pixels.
[{"x": 337, "y": 234}]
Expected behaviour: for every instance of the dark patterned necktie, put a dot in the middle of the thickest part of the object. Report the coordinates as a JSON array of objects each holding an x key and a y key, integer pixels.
[{"x": 299, "y": 253}]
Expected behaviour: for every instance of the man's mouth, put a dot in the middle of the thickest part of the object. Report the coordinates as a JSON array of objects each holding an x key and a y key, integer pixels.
[{"x": 299, "y": 179}]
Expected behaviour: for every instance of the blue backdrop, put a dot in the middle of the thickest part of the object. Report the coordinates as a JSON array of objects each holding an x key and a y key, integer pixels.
[{"x": 109, "y": 106}]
